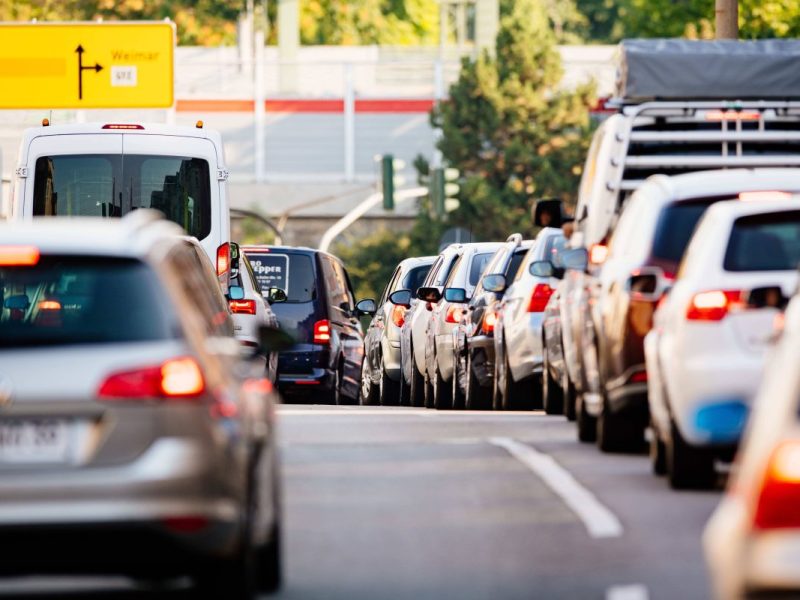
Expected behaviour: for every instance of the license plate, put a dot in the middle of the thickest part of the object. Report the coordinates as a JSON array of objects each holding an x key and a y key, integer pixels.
[{"x": 34, "y": 441}]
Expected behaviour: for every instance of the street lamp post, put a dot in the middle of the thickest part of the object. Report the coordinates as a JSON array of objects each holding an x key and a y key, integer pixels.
[{"x": 727, "y": 19}]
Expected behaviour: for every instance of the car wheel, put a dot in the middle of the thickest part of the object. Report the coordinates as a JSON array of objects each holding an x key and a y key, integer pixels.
[
  {"x": 616, "y": 433},
  {"x": 368, "y": 392},
  {"x": 688, "y": 467},
  {"x": 458, "y": 395},
  {"x": 231, "y": 577},
  {"x": 658, "y": 453},
  {"x": 442, "y": 393},
  {"x": 415, "y": 390},
  {"x": 552, "y": 394},
  {"x": 336, "y": 391},
  {"x": 388, "y": 390},
  {"x": 587, "y": 424},
  {"x": 498, "y": 391},
  {"x": 477, "y": 398},
  {"x": 570, "y": 397},
  {"x": 427, "y": 391},
  {"x": 403, "y": 392}
]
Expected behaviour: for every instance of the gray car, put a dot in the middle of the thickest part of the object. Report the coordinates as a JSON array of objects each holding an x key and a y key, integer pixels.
[{"x": 133, "y": 439}]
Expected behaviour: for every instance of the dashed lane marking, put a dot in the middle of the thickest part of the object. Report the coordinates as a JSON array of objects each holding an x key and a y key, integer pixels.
[
  {"x": 599, "y": 521},
  {"x": 627, "y": 592}
]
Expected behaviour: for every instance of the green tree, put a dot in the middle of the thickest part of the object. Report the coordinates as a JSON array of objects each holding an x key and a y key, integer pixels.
[{"x": 510, "y": 129}]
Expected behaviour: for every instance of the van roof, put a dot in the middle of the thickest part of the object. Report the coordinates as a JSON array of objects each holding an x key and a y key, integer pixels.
[{"x": 98, "y": 128}]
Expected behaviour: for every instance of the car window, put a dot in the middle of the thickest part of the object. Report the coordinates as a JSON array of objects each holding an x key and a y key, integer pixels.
[
  {"x": 390, "y": 287},
  {"x": 478, "y": 266},
  {"x": 335, "y": 284},
  {"x": 491, "y": 268},
  {"x": 289, "y": 271},
  {"x": 554, "y": 246},
  {"x": 456, "y": 268},
  {"x": 200, "y": 283},
  {"x": 348, "y": 285},
  {"x": 514, "y": 263},
  {"x": 415, "y": 278},
  {"x": 766, "y": 242},
  {"x": 112, "y": 185},
  {"x": 675, "y": 227},
  {"x": 83, "y": 300}
]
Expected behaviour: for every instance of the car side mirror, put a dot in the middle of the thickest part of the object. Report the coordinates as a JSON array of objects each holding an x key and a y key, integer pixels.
[
  {"x": 272, "y": 339},
  {"x": 455, "y": 295},
  {"x": 576, "y": 259},
  {"x": 542, "y": 268},
  {"x": 235, "y": 292},
  {"x": 494, "y": 283},
  {"x": 429, "y": 294},
  {"x": 275, "y": 295},
  {"x": 366, "y": 307},
  {"x": 17, "y": 302},
  {"x": 766, "y": 297},
  {"x": 401, "y": 298}
]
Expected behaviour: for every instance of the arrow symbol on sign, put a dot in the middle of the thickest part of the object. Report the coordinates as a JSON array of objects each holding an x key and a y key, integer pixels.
[{"x": 96, "y": 68}]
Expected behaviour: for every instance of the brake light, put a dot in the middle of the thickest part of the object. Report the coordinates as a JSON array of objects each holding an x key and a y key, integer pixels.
[
  {"x": 322, "y": 332},
  {"x": 713, "y": 305},
  {"x": 598, "y": 254},
  {"x": 639, "y": 377},
  {"x": 19, "y": 256},
  {"x": 540, "y": 297},
  {"x": 454, "y": 314},
  {"x": 186, "y": 524},
  {"x": 242, "y": 307},
  {"x": 489, "y": 321},
  {"x": 779, "y": 499},
  {"x": 764, "y": 196},
  {"x": 49, "y": 305},
  {"x": 122, "y": 126},
  {"x": 174, "y": 379},
  {"x": 398, "y": 315},
  {"x": 223, "y": 258},
  {"x": 732, "y": 115}
]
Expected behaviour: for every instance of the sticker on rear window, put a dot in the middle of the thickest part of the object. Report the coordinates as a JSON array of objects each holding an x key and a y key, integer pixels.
[{"x": 271, "y": 270}]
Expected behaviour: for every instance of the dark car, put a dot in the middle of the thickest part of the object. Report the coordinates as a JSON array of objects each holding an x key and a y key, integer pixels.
[
  {"x": 474, "y": 336},
  {"x": 321, "y": 315}
]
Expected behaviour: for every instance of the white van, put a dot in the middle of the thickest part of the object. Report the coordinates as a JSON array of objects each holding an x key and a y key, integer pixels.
[{"x": 111, "y": 169}]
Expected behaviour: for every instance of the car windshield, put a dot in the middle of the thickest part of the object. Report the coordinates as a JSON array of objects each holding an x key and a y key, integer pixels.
[
  {"x": 675, "y": 228},
  {"x": 293, "y": 273},
  {"x": 78, "y": 300},
  {"x": 112, "y": 185},
  {"x": 478, "y": 266},
  {"x": 766, "y": 242},
  {"x": 415, "y": 277}
]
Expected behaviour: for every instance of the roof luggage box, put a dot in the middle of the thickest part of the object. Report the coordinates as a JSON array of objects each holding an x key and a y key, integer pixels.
[{"x": 673, "y": 69}]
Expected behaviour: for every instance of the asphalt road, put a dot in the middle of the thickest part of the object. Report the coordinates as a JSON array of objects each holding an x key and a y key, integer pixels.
[{"x": 410, "y": 503}]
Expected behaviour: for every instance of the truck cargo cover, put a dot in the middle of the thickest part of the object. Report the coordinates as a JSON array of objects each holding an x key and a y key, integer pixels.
[{"x": 667, "y": 69}]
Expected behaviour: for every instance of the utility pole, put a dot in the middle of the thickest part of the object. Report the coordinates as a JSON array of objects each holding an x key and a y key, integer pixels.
[{"x": 727, "y": 19}]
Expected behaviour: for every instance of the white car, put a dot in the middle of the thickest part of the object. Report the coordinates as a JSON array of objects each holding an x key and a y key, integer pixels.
[
  {"x": 705, "y": 360},
  {"x": 752, "y": 541},
  {"x": 77, "y": 170}
]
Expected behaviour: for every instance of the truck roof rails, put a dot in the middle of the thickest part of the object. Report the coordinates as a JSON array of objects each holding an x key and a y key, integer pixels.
[{"x": 515, "y": 237}]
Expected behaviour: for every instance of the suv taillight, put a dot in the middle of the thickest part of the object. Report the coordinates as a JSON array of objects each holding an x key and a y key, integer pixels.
[
  {"x": 713, "y": 305},
  {"x": 489, "y": 321},
  {"x": 540, "y": 297},
  {"x": 454, "y": 314},
  {"x": 322, "y": 332},
  {"x": 179, "y": 378},
  {"x": 398, "y": 315},
  {"x": 778, "y": 505},
  {"x": 223, "y": 258},
  {"x": 242, "y": 307}
]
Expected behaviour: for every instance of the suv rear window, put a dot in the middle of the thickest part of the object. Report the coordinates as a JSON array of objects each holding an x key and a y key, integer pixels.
[
  {"x": 675, "y": 228},
  {"x": 767, "y": 242},
  {"x": 112, "y": 185},
  {"x": 293, "y": 273},
  {"x": 79, "y": 300}
]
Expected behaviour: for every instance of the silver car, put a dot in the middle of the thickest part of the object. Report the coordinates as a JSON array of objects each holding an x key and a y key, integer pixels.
[
  {"x": 518, "y": 331},
  {"x": 132, "y": 439}
]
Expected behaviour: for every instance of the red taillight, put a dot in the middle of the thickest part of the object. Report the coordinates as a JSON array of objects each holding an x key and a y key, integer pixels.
[
  {"x": 778, "y": 504},
  {"x": 186, "y": 524},
  {"x": 223, "y": 258},
  {"x": 713, "y": 305},
  {"x": 242, "y": 307},
  {"x": 122, "y": 126},
  {"x": 399, "y": 315},
  {"x": 322, "y": 332},
  {"x": 454, "y": 314},
  {"x": 19, "y": 256},
  {"x": 639, "y": 377},
  {"x": 732, "y": 115},
  {"x": 489, "y": 321},
  {"x": 176, "y": 378},
  {"x": 540, "y": 297}
]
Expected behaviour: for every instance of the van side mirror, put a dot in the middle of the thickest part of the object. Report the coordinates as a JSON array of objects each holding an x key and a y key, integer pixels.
[
  {"x": 401, "y": 298},
  {"x": 455, "y": 295},
  {"x": 429, "y": 294},
  {"x": 275, "y": 295},
  {"x": 766, "y": 297},
  {"x": 272, "y": 339}
]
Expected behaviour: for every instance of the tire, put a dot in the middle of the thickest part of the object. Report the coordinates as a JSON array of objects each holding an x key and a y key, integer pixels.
[
  {"x": 616, "y": 433},
  {"x": 442, "y": 393},
  {"x": 415, "y": 390},
  {"x": 388, "y": 390},
  {"x": 658, "y": 453},
  {"x": 368, "y": 395},
  {"x": 570, "y": 397},
  {"x": 477, "y": 398},
  {"x": 587, "y": 424},
  {"x": 268, "y": 563},
  {"x": 427, "y": 391},
  {"x": 232, "y": 579},
  {"x": 552, "y": 394},
  {"x": 458, "y": 397},
  {"x": 403, "y": 392},
  {"x": 500, "y": 393},
  {"x": 688, "y": 467},
  {"x": 336, "y": 392}
]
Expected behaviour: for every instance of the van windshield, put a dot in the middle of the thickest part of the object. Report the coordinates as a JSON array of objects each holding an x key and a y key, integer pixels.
[{"x": 112, "y": 185}]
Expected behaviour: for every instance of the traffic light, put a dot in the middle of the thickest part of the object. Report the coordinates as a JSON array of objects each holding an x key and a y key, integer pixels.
[
  {"x": 443, "y": 189},
  {"x": 389, "y": 164}
]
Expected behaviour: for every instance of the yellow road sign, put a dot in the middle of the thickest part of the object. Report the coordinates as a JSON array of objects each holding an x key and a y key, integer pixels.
[{"x": 87, "y": 65}]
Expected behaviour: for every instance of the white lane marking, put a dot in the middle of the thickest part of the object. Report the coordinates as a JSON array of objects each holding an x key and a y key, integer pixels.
[
  {"x": 599, "y": 521},
  {"x": 633, "y": 591}
]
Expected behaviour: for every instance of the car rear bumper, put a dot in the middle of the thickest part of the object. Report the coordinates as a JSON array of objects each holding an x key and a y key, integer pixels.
[
  {"x": 391, "y": 358},
  {"x": 304, "y": 370}
]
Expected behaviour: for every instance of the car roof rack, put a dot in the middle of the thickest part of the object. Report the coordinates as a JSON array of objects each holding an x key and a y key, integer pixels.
[{"x": 515, "y": 237}]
